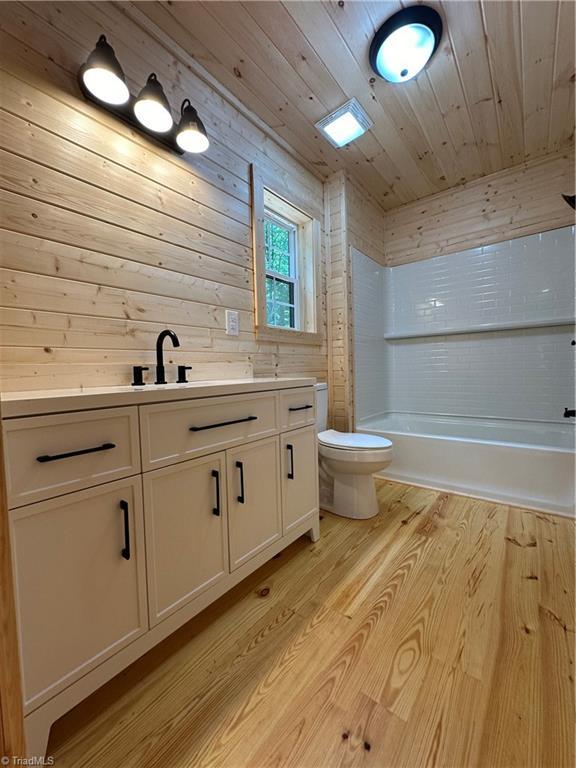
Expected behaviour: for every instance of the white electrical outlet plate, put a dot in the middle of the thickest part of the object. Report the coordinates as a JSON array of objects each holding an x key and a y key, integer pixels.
[{"x": 232, "y": 323}]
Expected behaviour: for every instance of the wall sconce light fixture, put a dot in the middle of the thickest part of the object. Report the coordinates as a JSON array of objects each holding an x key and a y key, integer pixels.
[{"x": 102, "y": 81}]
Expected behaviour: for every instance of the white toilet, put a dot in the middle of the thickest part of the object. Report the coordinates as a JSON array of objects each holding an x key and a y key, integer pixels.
[{"x": 350, "y": 458}]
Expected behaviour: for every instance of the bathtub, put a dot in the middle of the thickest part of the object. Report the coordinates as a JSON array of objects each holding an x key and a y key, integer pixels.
[{"x": 523, "y": 463}]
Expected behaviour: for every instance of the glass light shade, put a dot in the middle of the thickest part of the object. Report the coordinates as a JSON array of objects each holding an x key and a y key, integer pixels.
[
  {"x": 405, "y": 43},
  {"x": 405, "y": 53},
  {"x": 105, "y": 85},
  {"x": 192, "y": 141},
  {"x": 191, "y": 135},
  {"x": 103, "y": 75},
  {"x": 151, "y": 107}
]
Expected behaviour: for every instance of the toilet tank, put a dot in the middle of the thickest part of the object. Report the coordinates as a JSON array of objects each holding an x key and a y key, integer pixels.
[{"x": 321, "y": 407}]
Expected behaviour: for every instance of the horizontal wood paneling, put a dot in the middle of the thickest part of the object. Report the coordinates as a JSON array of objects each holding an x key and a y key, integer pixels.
[
  {"x": 519, "y": 201},
  {"x": 106, "y": 238}
]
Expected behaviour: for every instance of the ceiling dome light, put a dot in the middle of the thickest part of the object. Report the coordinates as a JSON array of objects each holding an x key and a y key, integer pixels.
[
  {"x": 405, "y": 43},
  {"x": 191, "y": 135},
  {"x": 152, "y": 108},
  {"x": 102, "y": 75}
]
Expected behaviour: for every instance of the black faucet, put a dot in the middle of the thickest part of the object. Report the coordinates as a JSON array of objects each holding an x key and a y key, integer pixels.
[{"x": 160, "y": 372}]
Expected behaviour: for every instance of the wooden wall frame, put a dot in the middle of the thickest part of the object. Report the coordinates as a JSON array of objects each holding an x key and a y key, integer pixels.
[
  {"x": 264, "y": 331},
  {"x": 12, "y": 741}
]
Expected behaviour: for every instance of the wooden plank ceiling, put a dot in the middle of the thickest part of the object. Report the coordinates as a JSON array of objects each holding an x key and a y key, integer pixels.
[{"x": 498, "y": 91}]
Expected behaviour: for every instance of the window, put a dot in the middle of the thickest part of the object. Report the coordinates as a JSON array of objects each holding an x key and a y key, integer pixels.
[
  {"x": 281, "y": 261},
  {"x": 286, "y": 254}
]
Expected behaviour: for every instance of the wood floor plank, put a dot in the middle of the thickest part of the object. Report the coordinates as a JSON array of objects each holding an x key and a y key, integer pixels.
[
  {"x": 439, "y": 633},
  {"x": 513, "y": 728}
]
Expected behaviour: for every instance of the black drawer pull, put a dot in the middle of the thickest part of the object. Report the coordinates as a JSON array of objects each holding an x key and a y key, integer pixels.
[
  {"x": 301, "y": 408},
  {"x": 126, "y": 548},
  {"x": 82, "y": 452},
  {"x": 216, "y": 476},
  {"x": 223, "y": 424},
  {"x": 290, "y": 449},
  {"x": 241, "y": 498}
]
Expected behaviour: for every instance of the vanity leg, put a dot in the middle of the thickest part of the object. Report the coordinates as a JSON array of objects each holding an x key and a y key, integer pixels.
[
  {"x": 37, "y": 728},
  {"x": 314, "y": 532}
]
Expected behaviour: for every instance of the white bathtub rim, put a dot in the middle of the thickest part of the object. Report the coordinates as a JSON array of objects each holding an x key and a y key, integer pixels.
[
  {"x": 428, "y": 436},
  {"x": 528, "y": 503}
]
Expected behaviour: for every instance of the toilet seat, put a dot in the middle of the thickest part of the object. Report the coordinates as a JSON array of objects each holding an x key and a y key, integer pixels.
[{"x": 353, "y": 441}]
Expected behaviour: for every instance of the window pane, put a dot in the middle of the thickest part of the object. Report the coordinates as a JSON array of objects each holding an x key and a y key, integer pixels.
[
  {"x": 283, "y": 292},
  {"x": 285, "y": 316},
  {"x": 277, "y": 243},
  {"x": 280, "y": 303}
]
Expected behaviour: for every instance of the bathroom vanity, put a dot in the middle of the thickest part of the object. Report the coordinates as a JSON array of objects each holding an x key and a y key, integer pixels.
[{"x": 131, "y": 510}]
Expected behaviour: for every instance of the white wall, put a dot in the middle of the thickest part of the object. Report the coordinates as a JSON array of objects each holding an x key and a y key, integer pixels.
[
  {"x": 371, "y": 384},
  {"x": 518, "y": 372}
]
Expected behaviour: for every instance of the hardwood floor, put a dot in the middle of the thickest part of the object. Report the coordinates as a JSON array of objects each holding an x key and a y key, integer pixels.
[{"x": 440, "y": 633}]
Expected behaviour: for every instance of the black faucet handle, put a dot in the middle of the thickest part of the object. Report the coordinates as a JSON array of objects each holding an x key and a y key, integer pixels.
[
  {"x": 182, "y": 374},
  {"x": 138, "y": 375}
]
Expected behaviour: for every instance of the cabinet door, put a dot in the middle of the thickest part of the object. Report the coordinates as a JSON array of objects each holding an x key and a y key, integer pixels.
[
  {"x": 186, "y": 532},
  {"x": 299, "y": 476},
  {"x": 80, "y": 583},
  {"x": 253, "y": 499}
]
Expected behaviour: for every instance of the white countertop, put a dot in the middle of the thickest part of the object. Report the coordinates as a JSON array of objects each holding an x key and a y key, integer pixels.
[{"x": 39, "y": 402}]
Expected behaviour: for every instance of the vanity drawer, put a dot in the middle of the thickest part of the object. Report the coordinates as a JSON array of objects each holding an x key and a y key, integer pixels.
[
  {"x": 47, "y": 456},
  {"x": 297, "y": 408},
  {"x": 173, "y": 432}
]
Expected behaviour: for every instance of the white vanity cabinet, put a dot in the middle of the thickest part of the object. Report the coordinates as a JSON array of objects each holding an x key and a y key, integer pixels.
[
  {"x": 299, "y": 477},
  {"x": 254, "y": 506},
  {"x": 80, "y": 583},
  {"x": 131, "y": 511},
  {"x": 186, "y": 532}
]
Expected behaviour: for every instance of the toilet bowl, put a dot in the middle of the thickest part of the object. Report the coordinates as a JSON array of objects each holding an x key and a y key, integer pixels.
[{"x": 350, "y": 459}]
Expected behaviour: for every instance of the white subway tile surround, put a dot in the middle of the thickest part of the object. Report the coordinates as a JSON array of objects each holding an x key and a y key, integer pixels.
[
  {"x": 468, "y": 409},
  {"x": 520, "y": 281},
  {"x": 517, "y": 373}
]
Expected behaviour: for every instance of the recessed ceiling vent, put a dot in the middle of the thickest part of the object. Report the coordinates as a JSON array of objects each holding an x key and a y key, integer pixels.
[{"x": 345, "y": 124}]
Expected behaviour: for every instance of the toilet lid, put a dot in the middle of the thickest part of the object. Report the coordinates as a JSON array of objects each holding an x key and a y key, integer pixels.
[{"x": 352, "y": 440}]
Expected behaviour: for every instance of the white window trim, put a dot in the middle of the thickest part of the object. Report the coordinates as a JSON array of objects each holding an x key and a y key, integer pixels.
[{"x": 309, "y": 302}]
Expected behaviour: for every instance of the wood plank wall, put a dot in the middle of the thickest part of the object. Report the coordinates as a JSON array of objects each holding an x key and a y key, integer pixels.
[
  {"x": 518, "y": 201},
  {"x": 355, "y": 221},
  {"x": 106, "y": 238}
]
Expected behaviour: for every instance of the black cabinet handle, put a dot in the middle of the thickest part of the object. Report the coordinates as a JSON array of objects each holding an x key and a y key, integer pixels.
[
  {"x": 216, "y": 476},
  {"x": 301, "y": 408},
  {"x": 126, "y": 548},
  {"x": 57, "y": 456},
  {"x": 241, "y": 498},
  {"x": 290, "y": 449},
  {"x": 223, "y": 424}
]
